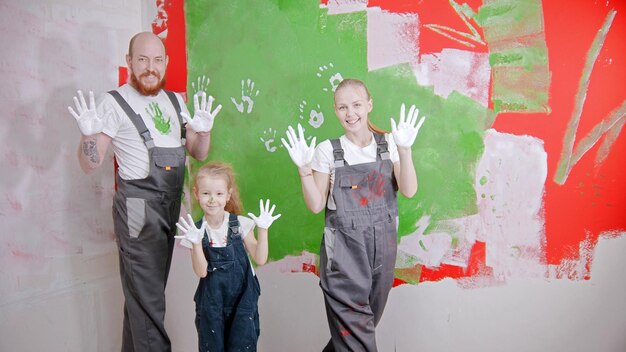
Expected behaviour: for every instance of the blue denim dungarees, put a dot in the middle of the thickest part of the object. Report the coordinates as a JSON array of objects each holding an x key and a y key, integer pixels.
[
  {"x": 145, "y": 212},
  {"x": 358, "y": 251},
  {"x": 227, "y": 316}
]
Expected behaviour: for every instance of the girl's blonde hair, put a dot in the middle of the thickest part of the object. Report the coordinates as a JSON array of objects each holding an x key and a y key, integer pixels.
[
  {"x": 352, "y": 82},
  {"x": 225, "y": 171}
]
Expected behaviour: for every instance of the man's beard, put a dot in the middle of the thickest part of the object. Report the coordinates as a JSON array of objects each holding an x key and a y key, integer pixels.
[{"x": 144, "y": 89}]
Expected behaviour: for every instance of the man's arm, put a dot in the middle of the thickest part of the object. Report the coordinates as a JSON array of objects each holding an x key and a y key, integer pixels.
[
  {"x": 91, "y": 151},
  {"x": 198, "y": 143}
]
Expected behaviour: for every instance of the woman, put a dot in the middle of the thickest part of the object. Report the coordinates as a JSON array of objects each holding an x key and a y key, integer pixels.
[{"x": 355, "y": 178}]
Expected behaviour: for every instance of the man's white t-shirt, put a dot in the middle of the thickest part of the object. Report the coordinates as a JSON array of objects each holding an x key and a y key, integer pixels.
[
  {"x": 160, "y": 118},
  {"x": 324, "y": 161}
]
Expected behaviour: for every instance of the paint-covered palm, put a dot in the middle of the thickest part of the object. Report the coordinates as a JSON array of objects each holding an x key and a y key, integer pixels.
[
  {"x": 266, "y": 216},
  {"x": 203, "y": 116},
  {"x": 299, "y": 151},
  {"x": 88, "y": 120},
  {"x": 406, "y": 130},
  {"x": 190, "y": 232}
]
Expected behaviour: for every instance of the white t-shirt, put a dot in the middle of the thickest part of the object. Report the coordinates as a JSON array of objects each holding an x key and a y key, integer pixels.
[
  {"x": 218, "y": 237},
  {"x": 160, "y": 118},
  {"x": 323, "y": 160}
]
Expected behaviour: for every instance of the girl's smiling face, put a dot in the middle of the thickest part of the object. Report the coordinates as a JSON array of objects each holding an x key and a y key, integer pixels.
[
  {"x": 212, "y": 193},
  {"x": 352, "y": 106}
]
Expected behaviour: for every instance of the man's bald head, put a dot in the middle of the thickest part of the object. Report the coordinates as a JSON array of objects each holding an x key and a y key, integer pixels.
[{"x": 143, "y": 38}]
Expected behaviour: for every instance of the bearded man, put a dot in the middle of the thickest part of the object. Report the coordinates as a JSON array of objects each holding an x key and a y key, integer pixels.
[{"x": 150, "y": 130}]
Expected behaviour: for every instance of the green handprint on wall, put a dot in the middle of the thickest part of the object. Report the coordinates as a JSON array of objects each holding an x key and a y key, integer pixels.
[{"x": 162, "y": 125}]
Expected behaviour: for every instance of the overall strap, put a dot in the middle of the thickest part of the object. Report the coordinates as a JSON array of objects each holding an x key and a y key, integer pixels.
[
  {"x": 382, "y": 149},
  {"x": 337, "y": 153},
  {"x": 233, "y": 226},
  {"x": 135, "y": 119},
  {"x": 183, "y": 126}
]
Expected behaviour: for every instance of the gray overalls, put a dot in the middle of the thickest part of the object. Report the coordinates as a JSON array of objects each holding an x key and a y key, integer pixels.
[
  {"x": 145, "y": 212},
  {"x": 358, "y": 251}
]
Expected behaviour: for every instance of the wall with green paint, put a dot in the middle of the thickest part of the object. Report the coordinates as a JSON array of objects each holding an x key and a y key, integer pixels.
[{"x": 293, "y": 52}]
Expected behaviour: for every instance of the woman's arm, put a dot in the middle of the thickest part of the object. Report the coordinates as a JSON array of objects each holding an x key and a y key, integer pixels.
[
  {"x": 315, "y": 186},
  {"x": 405, "y": 173}
]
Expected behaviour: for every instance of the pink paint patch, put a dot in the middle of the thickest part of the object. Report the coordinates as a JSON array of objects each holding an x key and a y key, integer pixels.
[{"x": 14, "y": 203}]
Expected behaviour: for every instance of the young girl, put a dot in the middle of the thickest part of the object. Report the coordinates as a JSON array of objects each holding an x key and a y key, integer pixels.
[
  {"x": 227, "y": 296},
  {"x": 356, "y": 178}
]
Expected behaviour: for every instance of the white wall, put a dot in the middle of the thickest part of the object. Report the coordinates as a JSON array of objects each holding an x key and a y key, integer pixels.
[{"x": 59, "y": 284}]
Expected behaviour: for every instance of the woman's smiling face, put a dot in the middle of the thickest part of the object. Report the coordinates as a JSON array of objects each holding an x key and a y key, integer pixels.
[{"x": 352, "y": 105}]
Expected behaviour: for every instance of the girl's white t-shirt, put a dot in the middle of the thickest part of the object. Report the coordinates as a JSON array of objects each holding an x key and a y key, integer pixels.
[
  {"x": 324, "y": 161},
  {"x": 159, "y": 115},
  {"x": 218, "y": 237}
]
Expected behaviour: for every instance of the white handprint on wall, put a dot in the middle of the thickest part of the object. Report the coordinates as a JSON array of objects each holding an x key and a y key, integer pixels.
[
  {"x": 334, "y": 79},
  {"x": 316, "y": 117},
  {"x": 268, "y": 139},
  {"x": 201, "y": 85},
  {"x": 247, "y": 93}
]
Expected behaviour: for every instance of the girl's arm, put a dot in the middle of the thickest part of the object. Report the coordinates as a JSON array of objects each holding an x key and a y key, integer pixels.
[
  {"x": 315, "y": 187},
  {"x": 198, "y": 261},
  {"x": 258, "y": 249},
  {"x": 405, "y": 173}
]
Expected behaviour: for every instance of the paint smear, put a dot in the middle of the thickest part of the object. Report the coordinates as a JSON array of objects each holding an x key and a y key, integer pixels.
[
  {"x": 391, "y": 38},
  {"x": 451, "y": 70},
  {"x": 515, "y": 35}
]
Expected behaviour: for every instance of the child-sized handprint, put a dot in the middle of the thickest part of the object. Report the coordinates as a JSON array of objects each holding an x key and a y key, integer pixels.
[
  {"x": 269, "y": 139},
  {"x": 160, "y": 123},
  {"x": 334, "y": 79},
  {"x": 247, "y": 93},
  {"x": 201, "y": 85}
]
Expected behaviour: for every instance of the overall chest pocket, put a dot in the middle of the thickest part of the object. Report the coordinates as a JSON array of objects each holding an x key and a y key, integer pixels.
[
  {"x": 360, "y": 191},
  {"x": 170, "y": 166}
]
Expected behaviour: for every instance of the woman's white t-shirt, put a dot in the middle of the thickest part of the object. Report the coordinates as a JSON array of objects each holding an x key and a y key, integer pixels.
[{"x": 323, "y": 160}]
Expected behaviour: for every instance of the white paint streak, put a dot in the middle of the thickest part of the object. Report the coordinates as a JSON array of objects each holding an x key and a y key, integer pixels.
[
  {"x": 423, "y": 249},
  {"x": 510, "y": 200},
  {"x": 391, "y": 38},
  {"x": 346, "y": 6},
  {"x": 451, "y": 70}
]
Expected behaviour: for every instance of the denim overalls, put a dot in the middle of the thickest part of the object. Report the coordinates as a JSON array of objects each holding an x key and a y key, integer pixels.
[
  {"x": 227, "y": 316},
  {"x": 358, "y": 251},
  {"x": 145, "y": 212}
]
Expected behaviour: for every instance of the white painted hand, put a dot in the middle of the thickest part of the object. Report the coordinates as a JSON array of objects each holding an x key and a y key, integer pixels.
[
  {"x": 88, "y": 121},
  {"x": 265, "y": 218},
  {"x": 405, "y": 132},
  {"x": 203, "y": 116},
  {"x": 190, "y": 232},
  {"x": 299, "y": 151}
]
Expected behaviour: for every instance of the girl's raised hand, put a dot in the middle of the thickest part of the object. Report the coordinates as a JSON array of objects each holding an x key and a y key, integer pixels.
[
  {"x": 299, "y": 151},
  {"x": 190, "y": 231},
  {"x": 265, "y": 218},
  {"x": 405, "y": 132}
]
